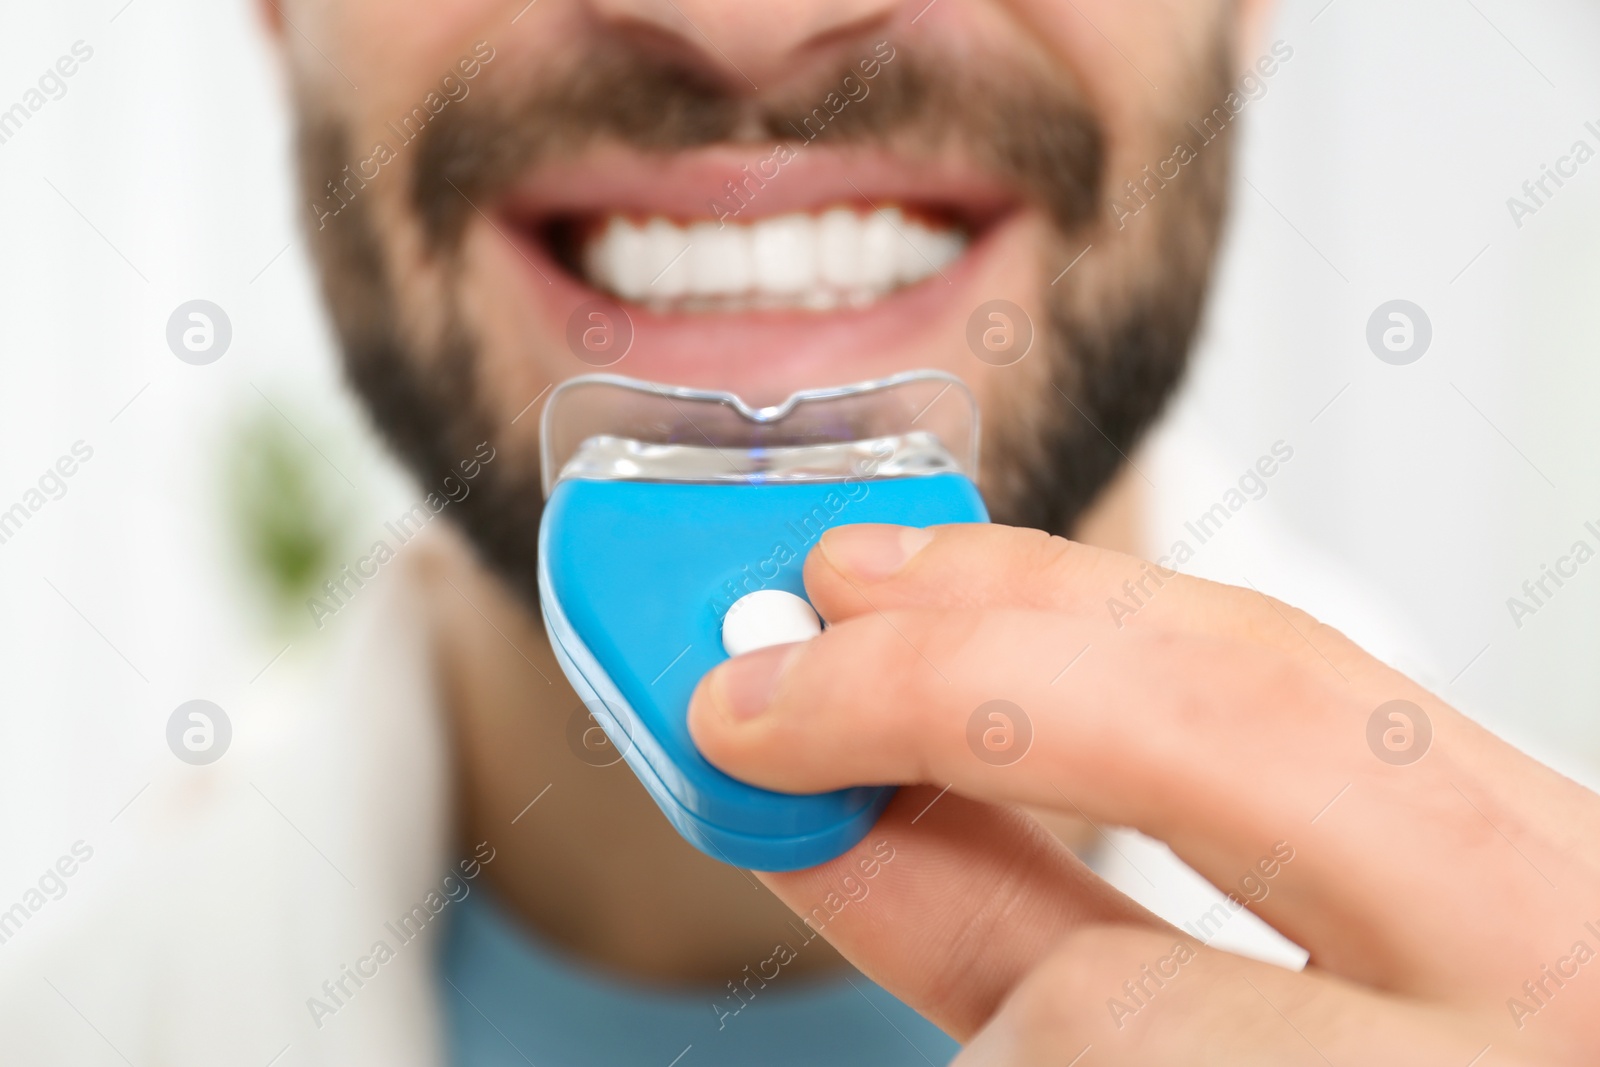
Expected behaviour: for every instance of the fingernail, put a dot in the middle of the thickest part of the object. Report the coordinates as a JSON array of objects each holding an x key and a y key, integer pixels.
[
  {"x": 745, "y": 685},
  {"x": 872, "y": 552}
]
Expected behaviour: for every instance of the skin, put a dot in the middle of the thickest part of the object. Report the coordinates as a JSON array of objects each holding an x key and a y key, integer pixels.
[
  {"x": 695, "y": 920},
  {"x": 332, "y": 46},
  {"x": 1216, "y": 720}
]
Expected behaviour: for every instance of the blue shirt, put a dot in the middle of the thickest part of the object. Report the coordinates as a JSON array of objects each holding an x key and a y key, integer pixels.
[{"x": 511, "y": 1001}]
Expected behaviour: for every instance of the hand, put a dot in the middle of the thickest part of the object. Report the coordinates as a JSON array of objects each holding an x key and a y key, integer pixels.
[{"x": 1448, "y": 894}]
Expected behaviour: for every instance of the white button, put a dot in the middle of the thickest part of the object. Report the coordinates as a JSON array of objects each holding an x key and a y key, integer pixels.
[{"x": 767, "y": 617}]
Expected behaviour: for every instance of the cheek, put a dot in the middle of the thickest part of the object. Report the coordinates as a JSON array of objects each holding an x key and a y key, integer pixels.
[
  {"x": 392, "y": 58},
  {"x": 396, "y": 62},
  {"x": 1017, "y": 400},
  {"x": 520, "y": 324},
  {"x": 1018, "y": 270},
  {"x": 1139, "y": 81}
]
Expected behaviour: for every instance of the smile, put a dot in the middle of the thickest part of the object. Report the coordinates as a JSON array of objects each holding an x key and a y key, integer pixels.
[
  {"x": 840, "y": 266},
  {"x": 812, "y": 261}
]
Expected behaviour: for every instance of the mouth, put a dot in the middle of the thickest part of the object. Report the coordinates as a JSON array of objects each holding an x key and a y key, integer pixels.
[
  {"x": 846, "y": 255},
  {"x": 832, "y": 267}
]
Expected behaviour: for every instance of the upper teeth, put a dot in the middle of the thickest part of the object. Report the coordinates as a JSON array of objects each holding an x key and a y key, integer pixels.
[{"x": 798, "y": 260}]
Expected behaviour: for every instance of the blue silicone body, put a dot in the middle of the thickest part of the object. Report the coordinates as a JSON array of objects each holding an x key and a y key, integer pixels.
[{"x": 634, "y": 579}]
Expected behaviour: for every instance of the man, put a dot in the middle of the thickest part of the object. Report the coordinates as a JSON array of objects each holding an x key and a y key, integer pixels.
[{"x": 768, "y": 197}]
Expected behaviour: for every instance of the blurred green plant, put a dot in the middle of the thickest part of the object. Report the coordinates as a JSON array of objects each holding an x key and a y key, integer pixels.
[{"x": 290, "y": 513}]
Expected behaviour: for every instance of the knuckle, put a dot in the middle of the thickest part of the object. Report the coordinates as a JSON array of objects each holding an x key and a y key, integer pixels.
[
  {"x": 1225, "y": 686},
  {"x": 888, "y": 674},
  {"x": 1066, "y": 996},
  {"x": 1053, "y": 558},
  {"x": 1231, "y": 1014},
  {"x": 871, "y": 660},
  {"x": 866, "y": 646},
  {"x": 1281, "y": 687},
  {"x": 1027, "y": 561}
]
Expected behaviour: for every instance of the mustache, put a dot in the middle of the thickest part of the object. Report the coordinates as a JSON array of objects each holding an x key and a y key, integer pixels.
[{"x": 1031, "y": 131}]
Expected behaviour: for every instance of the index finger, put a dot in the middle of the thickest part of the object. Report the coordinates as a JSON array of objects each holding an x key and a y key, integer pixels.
[
  {"x": 868, "y": 567},
  {"x": 1219, "y": 749}
]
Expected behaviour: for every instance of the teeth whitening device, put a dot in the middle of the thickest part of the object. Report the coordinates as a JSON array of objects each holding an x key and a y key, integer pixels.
[{"x": 676, "y": 525}]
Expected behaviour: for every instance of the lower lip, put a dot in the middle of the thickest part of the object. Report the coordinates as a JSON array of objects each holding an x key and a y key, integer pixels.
[{"x": 763, "y": 355}]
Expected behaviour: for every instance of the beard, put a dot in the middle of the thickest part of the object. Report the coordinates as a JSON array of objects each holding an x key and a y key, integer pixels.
[{"x": 1113, "y": 345}]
